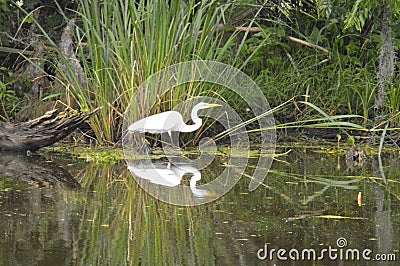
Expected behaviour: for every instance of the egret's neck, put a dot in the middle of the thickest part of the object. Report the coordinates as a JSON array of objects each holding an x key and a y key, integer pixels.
[
  {"x": 196, "y": 177},
  {"x": 196, "y": 120},
  {"x": 190, "y": 128}
]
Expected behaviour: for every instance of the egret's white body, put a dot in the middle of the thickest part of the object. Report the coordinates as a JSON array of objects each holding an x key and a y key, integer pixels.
[{"x": 170, "y": 121}]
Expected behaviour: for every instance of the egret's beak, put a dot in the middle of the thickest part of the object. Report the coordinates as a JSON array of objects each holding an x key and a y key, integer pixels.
[{"x": 213, "y": 105}]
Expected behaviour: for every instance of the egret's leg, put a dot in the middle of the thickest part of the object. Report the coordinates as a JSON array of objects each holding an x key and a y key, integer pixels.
[
  {"x": 138, "y": 142},
  {"x": 174, "y": 139},
  {"x": 170, "y": 137},
  {"x": 156, "y": 142}
]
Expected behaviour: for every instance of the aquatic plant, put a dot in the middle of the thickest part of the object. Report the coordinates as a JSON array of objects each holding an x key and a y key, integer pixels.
[{"x": 129, "y": 41}]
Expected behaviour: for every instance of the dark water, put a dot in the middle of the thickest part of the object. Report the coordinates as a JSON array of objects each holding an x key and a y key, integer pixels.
[{"x": 60, "y": 211}]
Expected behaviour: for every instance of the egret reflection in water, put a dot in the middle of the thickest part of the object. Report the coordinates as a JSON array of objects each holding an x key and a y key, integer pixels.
[{"x": 168, "y": 176}]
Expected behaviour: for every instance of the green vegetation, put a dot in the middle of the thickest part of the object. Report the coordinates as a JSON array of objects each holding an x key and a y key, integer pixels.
[
  {"x": 8, "y": 99},
  {"x": 336, "y": 59},
  {"x": 127, "y": 42}
]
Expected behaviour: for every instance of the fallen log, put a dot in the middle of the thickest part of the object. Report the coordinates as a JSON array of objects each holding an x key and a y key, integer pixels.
[{"x": 40, "y": 132}]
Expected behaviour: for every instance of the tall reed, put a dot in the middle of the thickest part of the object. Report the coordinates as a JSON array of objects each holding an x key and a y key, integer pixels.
[{"x": 127, "y": 41}]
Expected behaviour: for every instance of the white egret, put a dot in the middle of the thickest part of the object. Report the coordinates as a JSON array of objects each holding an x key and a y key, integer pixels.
[{"x": 170, "y": 121}]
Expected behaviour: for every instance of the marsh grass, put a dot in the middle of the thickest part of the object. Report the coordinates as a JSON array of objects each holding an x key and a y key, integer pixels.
[
  {"x": 129, "y": 41},
  {"x": 120, "y": 44}
]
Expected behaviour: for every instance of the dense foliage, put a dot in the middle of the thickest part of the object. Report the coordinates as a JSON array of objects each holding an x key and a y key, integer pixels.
[{"x": 343, "y": 59}]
